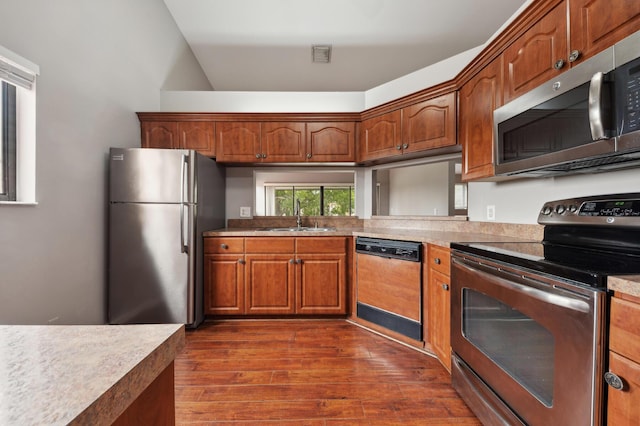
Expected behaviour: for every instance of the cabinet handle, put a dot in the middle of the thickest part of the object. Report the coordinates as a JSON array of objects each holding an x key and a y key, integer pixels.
[
  {"x": 574, "y": 55},
  {"x": 264, "y": 155},
  {"x": 292, "y": 261},
  {"x": 242, "y": 261},
  {"x": 299, "y": 261},
  {"x": 559, "y": 64},
  {"x": 258, "y": 155},
  {"x": 224, "y": 246},
  {"x": 405, "y": 145},
  {"x": 309, "y": 155},
  {"x": 398, "y": 147},
  {"x": 445, "y": 287},
  {"x": 437, "y": 261},
  {"x": 614, "y": 381}
]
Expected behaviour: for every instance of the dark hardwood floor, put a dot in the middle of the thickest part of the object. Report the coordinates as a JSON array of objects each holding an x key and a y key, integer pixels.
[{"x": 309, "y": 372}]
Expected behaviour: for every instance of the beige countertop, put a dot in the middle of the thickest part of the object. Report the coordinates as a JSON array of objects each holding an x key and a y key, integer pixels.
[
  {"x": 442, "y": 238},
  {"x": 629, "y": 284},
  {"x": 79, "y": 374}
]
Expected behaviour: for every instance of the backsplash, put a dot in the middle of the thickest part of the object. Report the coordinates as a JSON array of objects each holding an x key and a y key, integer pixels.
[{"x": 290, "y": 221}]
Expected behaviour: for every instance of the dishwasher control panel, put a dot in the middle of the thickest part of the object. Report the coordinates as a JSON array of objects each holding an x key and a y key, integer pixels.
[{"x": 393, "y": 249}]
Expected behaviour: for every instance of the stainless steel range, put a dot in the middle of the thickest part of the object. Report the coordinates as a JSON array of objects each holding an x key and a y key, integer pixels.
[{"x": 529, "y": 320}]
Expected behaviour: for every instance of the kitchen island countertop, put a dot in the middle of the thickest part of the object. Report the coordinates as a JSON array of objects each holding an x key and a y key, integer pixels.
[{"x": 80, "y": 374}]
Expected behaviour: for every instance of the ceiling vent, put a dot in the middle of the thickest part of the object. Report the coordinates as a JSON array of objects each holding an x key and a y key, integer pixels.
[{"x": 321, "y": 53}]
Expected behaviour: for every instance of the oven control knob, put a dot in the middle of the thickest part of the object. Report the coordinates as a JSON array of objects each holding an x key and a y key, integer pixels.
[
  {"x": 560, "y": 209},
  {"x": 573, "y": 208},
  {"x": 614, "y": 381},
  {"x": 546, "y": 210}
]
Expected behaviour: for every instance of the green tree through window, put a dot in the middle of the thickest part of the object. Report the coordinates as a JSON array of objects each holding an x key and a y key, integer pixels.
[{"x": 314, "y": 201}]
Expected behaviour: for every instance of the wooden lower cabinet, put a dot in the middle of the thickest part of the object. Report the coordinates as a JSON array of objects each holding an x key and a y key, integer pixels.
[
  {"x": 438, "y": 325},
  {"x": 276, "y": 276},
  {"x": 623, "y": 405}
]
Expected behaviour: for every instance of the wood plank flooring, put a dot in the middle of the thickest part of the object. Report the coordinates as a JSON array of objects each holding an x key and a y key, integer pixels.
[{"x": 309, "y": 372}]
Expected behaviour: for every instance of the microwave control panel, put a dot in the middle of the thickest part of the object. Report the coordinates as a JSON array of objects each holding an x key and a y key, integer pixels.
[{"x": 628, "y": 90}]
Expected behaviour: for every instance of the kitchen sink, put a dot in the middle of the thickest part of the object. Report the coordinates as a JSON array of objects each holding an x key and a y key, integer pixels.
[{"x": 301, "y": 228}]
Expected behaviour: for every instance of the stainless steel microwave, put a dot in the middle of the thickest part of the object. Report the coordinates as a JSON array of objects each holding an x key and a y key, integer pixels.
[{"x": 586, "y": 120}]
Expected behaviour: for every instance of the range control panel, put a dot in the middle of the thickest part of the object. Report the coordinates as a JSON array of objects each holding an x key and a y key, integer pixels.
[{"x": 617, "y": 209}]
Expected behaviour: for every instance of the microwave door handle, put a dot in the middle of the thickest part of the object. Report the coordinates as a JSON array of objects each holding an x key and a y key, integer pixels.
[{"x": 595, "y": 107}]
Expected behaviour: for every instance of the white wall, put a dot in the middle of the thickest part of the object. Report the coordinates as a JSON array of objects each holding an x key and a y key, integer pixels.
[
  {"x": 420, "y": 190},
  {"x": 520, "y": 201},
  {"x": 100, "y": 62}
]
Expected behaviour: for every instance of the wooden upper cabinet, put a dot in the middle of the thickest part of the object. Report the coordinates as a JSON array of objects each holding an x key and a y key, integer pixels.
[
  {"x": 331, "y": 142},
  {"x": 238, "y": 142},
  {"x": 538, "y": 55},
  {"x": 598, "y": 24},
  {"x": 198, "y": 135},
  {"x": 381, "y": 136},
  {"x": 282, "y": 142},
  {"x": 479, "y": 97},
  {"x": 429, "y": 124},
  {"x": 159, "y": 134}
]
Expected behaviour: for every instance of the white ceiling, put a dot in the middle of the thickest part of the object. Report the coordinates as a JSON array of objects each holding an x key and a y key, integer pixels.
[{"x": 265, "y": 45}]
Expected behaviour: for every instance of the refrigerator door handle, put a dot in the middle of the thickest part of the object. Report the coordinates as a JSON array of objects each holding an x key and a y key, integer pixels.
[{"x": 184, "y": 248}]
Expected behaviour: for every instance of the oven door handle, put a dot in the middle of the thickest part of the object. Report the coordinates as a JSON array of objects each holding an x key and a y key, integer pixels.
[{"x": 550, "y": 293}]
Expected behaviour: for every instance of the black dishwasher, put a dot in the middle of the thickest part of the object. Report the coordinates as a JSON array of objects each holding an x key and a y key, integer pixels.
[{"x": 389, "y": 284}]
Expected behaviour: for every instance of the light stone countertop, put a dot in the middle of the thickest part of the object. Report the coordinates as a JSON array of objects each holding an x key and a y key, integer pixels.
[
  {"x": 79, "y": 374},
  {"x": 628, "y": 284},
  {"x": 441, "y": 238}
]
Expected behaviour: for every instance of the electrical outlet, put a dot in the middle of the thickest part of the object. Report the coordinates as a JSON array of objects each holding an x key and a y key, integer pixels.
[
  {"x": 491, "y": 212},
  {"x": 245, "y": 211}
]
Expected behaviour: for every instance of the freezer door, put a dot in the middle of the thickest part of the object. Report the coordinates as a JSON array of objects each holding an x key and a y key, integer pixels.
[
  {"x": 150, "y": 270},
  {"x": 145, "y": 175}
]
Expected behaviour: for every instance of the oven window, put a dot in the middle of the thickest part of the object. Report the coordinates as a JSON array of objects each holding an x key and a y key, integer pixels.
[{"x": 516, "y": 343}]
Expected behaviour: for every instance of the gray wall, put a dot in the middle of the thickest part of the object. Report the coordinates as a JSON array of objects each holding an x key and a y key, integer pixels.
[{"x": 100, "y": 62}]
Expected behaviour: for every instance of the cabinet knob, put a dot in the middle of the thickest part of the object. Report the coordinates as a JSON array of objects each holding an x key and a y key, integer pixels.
[
  {"x": 242, "y": 261},
  {"x": 574, "y": 55},
  {"x": 258, "y": 155},
  {"x": 224, "y": 246},
  {"x": 614, "y": 381},
  {"x": 437, "y": 261},
  {"x": 309, "y": 155},
  {"x": 292, "y": 261},
  {"x": 399, "y": 147},
  {"x": 299, "y": 261},
  {"x": 559, "y": 64},
  {"x": 405, "y": 145},
  {"x": 445, "y": 287},
  {"x": 264, "y": 155}
]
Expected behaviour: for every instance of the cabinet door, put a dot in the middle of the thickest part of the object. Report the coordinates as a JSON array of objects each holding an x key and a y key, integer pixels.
[
  {"x": 478, "y": 98},
  {"x": 429, "y": 124},
  {"x": 622, "y": 405},
  {"x": 597, "y": 24},
  {"x": 269, "y": 282},
  {"x": 198, "y": 135},
  {"x": 159, "y": 134},
  {"x": 321, "y": 284},
  {"x": 381, "y": 137},
  {"x": 283, "y": 142},
  {"x": 331, "y": 142},
  {"x": 224, "y": 285},
  {"x": 238, "y": 142},
  {"x": 538, "y": 55},
  {"x": 439, "y": 316}
]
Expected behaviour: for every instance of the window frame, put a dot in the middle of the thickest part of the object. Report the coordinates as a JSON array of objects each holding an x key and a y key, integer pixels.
[
  {"x": 306, "y": 186},
  {"x": 8, "y": 142}
]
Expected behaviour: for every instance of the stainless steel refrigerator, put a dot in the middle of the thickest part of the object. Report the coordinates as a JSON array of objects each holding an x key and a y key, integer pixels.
[{"x": 160, "y": 203}]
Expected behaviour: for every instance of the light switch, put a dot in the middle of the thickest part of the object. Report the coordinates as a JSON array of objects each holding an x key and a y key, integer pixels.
[{"x": 245, "y": 211}]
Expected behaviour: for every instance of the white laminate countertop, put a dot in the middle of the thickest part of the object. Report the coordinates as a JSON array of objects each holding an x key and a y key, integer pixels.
[{"x": 79, "y": 374}]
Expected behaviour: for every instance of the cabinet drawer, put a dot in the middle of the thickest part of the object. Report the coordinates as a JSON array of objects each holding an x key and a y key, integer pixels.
[
  {"x": 624, "y": 328},
  {"x": 321, "y": 245},
  {"x": 269, "y": 245},
  {"x": 223, "y": 245},
  {"x": 439, "y": 259}
]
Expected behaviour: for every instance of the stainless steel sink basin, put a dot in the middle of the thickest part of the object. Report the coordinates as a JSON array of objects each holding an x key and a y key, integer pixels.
[{"x": 301, "y": 229}]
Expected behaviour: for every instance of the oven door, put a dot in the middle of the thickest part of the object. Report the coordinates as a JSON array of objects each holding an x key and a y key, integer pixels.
[{"x": 533, "y": 345}]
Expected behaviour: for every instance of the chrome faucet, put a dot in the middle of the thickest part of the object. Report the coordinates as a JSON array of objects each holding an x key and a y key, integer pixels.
[{"x": 298, "y": 217}]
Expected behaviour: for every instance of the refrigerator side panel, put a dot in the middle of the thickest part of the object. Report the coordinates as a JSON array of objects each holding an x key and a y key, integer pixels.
[
  {"x": 148, "y": 273},
  {"x": 147, "y": 175}
]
